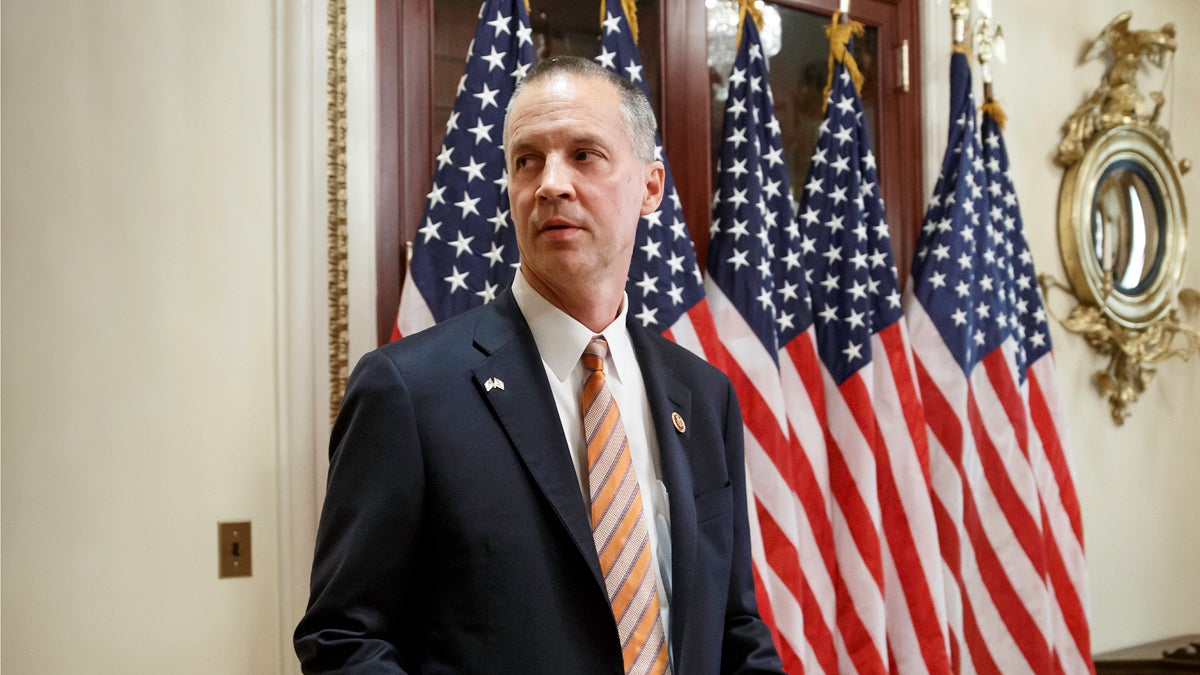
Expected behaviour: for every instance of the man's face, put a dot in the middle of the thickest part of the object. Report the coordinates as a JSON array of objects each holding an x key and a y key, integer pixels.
[{"x": 575, "y": 187}]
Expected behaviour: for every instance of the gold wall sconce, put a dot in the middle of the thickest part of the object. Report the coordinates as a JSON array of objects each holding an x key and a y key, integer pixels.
[{"x": 1122, "y": 221}]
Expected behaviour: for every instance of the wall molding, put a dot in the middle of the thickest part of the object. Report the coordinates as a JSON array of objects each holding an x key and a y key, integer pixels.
[{"x": 302, "y": 409}]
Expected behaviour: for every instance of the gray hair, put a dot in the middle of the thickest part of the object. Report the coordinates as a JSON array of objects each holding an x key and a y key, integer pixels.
[{"x": 636, "y": 113}]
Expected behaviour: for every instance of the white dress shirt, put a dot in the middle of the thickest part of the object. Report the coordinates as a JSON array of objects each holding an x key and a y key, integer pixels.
[{"x": 560, "y": 341}]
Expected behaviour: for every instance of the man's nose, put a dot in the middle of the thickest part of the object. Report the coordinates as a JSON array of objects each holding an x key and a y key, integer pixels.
[{"x": 557, "y": 180}]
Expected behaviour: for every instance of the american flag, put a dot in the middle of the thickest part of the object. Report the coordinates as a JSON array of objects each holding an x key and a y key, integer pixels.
[
  {"x": 758, "y": 294},
  {"x": 1062, "y": 522},
  {"x": 665, "y": 289},
  {"x": 836, "y": 452},
  {"x": 465, "y": 251},
  {"x": 1007, "y": 513},
  {"x": 884, "y": 526}
]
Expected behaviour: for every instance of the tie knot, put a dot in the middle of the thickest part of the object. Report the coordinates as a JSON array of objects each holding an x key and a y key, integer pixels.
[{"x": 594, "y": 354}]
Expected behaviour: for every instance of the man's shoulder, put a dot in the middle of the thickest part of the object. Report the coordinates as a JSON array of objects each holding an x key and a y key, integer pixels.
[
  {"x": 679, "y": 359},
  {"x": 440, "y": 345},
  {"x": 444, "y": 334}
]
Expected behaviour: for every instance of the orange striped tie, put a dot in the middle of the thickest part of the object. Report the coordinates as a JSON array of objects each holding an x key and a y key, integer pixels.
[{"x": 618, "y": 528}]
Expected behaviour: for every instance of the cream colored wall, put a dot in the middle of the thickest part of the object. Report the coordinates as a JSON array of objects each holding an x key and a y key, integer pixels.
[
  {"x": 139, "y": 338},
  {"x": 1138, "y": 484}
]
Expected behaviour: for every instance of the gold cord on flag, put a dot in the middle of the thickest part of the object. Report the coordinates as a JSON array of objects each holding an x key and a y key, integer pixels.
[
  {"x": 839, "y": 50},
  {"x": 627, "y": 6},
  {"x": 748, "y": 8},
  {"x": 993, "y": 108}
]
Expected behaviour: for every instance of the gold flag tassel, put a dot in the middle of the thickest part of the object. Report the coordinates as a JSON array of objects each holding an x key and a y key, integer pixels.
[
  {"x": 839, "y": 34},
  {"x": 992, "y": 107},
  {"x": 748, "y": 8},
  {"x": 627, "y": 6}
]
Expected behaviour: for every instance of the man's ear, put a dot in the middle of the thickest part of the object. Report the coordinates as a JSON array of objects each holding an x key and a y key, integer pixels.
[{"x": 656, "y": 178}]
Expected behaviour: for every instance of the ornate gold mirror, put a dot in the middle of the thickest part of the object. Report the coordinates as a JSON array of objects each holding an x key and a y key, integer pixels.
[
  {"x": 1122, "y": 226},
  {"x": 1122, "y": 223}
]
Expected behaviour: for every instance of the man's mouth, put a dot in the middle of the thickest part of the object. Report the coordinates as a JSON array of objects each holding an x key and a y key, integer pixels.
[{"x": 552, "y": 224}]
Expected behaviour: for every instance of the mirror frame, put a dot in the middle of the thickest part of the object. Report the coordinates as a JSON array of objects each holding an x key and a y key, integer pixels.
[{"x": 1089, "y": 280}]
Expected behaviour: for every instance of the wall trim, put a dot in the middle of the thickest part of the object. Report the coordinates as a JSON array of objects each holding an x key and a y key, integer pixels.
[{"x": 301, "y": 339}]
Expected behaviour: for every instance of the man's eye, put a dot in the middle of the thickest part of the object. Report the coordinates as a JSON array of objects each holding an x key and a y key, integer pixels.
[{"x": 584, "y": 155}]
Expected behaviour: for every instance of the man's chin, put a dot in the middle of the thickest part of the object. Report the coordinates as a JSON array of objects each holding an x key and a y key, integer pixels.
[{"x": 561, "y": 271}]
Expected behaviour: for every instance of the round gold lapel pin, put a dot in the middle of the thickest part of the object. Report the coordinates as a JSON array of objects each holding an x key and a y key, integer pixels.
[{"x": 678, "y": 420}]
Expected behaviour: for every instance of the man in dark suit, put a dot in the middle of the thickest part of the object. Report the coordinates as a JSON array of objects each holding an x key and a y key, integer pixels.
[{"x": 481, "y": 516}]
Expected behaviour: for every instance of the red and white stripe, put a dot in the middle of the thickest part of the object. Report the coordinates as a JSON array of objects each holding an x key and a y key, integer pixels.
[
  {"x": 844, "y": 538},
  {"x": 789, "y": 563},
  {"x": 1062, "y": 520},
  {"x": 876, "y": 421},
  {"x": 414, "y": 314},
  {"x": 1006, "y": 535}
]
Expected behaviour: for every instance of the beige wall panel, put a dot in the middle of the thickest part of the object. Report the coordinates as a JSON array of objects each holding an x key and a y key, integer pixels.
[{"x": 138, "y": 335}]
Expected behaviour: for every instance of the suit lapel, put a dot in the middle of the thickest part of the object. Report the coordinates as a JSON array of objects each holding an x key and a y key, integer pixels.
[
  {"x": 521, "y": 399},
  {"x": 668, "y": 396}
]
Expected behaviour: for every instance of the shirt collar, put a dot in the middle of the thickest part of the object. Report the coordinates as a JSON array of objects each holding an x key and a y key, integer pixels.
[{"x": 561, "y": 339}]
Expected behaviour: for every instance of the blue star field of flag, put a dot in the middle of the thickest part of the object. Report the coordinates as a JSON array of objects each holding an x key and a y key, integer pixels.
[
  {"x": 845, "y": 244},
  {"x": 754, "y": 253},
  {"x": 664, "y": 280},
  {"x": 1032, "y": 331},
  {"x": 962, "y": 272},
  {"x": 465, "y": 251}
]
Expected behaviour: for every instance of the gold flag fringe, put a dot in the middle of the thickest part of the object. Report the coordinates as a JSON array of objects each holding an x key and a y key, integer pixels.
[
  {"x": 839, "y": 39},
  {"x": 630, "y": 9},
  {"x": 993, "y": 108},
  {"x": 961, "y": 48}
]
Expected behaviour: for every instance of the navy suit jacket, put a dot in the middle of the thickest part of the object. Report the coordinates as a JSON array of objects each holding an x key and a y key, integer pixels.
[{"x": 454, "y": 539}]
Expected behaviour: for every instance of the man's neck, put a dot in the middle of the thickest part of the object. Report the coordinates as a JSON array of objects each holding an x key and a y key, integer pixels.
[{"x": 596, "y": 309}]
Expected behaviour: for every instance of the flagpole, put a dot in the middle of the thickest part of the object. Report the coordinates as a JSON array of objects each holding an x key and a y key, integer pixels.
[
  {"x": 989, "y": 47},
  {"x": 959, "y": 11}
]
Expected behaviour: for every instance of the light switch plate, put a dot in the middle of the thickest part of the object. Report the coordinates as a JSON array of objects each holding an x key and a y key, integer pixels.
[{"x": 234, "y": 552}]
